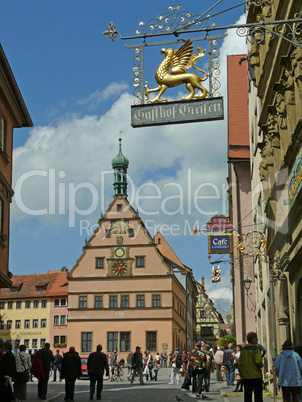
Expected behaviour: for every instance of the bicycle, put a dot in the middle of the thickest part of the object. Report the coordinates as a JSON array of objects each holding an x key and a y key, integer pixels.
[{"x": 118, "y": 374}]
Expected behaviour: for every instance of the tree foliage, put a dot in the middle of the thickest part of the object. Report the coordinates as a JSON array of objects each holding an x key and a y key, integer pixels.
[{"x": 224, "y": 341}]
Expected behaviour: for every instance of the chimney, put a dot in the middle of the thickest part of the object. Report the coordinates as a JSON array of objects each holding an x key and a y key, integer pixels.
[{"x": 202, "y": 281}]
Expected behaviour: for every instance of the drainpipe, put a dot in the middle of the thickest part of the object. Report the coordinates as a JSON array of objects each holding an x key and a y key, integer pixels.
[{"x": 243, "y": 317}]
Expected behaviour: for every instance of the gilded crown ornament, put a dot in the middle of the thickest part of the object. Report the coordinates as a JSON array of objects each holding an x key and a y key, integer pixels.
[{"x": 172, "y": 72}]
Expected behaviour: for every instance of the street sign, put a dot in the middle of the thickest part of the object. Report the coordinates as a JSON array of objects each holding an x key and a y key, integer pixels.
[
  {"x": 220, "y": 243},
  {"x": 177, "y": 112},
  {"x": 219, "y": 223}
]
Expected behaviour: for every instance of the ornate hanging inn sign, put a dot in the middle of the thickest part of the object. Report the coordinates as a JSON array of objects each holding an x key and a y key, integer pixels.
[
  {"x": 171, "y": 73},
  {"x": 177, "y": 112},
  {"x": 200, "y": 103}
]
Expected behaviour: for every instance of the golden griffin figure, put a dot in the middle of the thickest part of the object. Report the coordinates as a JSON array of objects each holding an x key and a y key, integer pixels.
[{"x": 178, "y": 62}]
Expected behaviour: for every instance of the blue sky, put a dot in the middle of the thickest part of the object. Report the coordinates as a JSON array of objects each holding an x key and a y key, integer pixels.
[{"x": 78, "y": 86}]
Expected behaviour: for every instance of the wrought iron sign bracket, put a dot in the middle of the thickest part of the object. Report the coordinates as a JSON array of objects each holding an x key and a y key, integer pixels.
[{"x": 175, "y": 21}]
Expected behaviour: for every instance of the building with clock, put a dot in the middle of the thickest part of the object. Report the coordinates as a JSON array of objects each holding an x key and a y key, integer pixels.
[{"x": 123, "y": 290}]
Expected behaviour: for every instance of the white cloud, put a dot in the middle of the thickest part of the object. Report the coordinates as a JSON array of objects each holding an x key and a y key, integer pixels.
[{"x": 112, "y": 91}]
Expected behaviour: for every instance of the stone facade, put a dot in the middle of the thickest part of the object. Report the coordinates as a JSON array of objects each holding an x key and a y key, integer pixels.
[{"x": 275, "y": 100}]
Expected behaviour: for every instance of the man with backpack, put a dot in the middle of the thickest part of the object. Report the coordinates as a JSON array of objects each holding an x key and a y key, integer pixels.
[
  {"x": 199, "y": 366},
  {"x": 176, "y": 361}
]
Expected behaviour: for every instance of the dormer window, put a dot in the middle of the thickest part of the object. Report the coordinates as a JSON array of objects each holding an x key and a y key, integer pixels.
[
  {"x": 40, "y": 288},
  {"x": 16, "y": 288}
]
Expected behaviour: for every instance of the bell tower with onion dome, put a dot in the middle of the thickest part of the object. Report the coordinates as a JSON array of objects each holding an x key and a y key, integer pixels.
[{"x": 120, "y": 165}]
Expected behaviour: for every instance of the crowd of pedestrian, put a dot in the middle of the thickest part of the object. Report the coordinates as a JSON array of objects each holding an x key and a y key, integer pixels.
[{"x": 242, "y": 363}]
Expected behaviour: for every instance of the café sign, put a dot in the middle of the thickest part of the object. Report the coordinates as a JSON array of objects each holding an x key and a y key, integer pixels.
[
  {"x": 177, "y": 112},
  {"x": 220, "y": 243}
]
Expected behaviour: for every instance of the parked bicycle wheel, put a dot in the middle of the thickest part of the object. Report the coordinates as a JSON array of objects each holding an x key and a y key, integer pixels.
[{"x": 121, "y": 375}]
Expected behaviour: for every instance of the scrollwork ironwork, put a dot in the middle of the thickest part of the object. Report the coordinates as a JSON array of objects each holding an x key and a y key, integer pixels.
[
  {"x": 286, "y": 30},
  {"x": 215, "y": 69},
  {"x": 137, "y": 72},
  {"x": 172, "y": 20},
  {"x": 261, "y": 3}
]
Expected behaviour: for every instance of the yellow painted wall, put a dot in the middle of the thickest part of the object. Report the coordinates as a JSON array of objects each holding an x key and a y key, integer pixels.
[{"x": 25, "y": 314}]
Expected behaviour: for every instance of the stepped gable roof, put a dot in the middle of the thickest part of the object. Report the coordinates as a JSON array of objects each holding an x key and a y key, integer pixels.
[
  {"x": 238, "y": 113},
  {"x": 53, "y": 283},
  {"x": 167, "y": 252}
]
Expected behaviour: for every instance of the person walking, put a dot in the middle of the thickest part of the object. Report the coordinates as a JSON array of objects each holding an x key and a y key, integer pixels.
[
  {"x": 7, "y": 372},
  {"x": 31, "y": 355},
  {"x": 228, "y": 362},
  {"x": 71, "y": 370},
  {"x": 96, "y": 364},
  {"x": 129, "y": 364},
  {"x": 156, "y": 368},
  {"x": 46, "y": 358},
  {"x": 176, "y": 361},
  {"x": 249, "y": 366},
  {"x": 137, "y": 365},
  {"x": 218, "y": 359},
  {"x": 198, "y": 366},
  {"x": 239, "y": 383},
  {"x": 165, "y": 358},
  {"x": 288, "y": 366},
  {"x": 149, "y": 366},
  {"x": 23, "y": 364},
  {"x": 57, "y": 365},
  {"x": 113, "y": 361},
  {"x": 210, "y": 367}
]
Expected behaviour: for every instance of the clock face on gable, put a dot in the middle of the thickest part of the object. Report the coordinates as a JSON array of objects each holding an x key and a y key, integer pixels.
[
  {"x": 119, "y": 252},
  {"x": 119, "y": 268}
]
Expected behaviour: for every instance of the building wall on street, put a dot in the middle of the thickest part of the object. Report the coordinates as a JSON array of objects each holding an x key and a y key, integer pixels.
[
  {"x": 240, "y": 196},
  {"x": 58, "y": 330},
  {"x": 244, "y": 302},
  {"x": 208, "y": 320},
  {"x": 28, "y": 308},
  {"x": 146, "y": 274},
  {"x": 13, "y": 114},
  {"x": 275, "y": 100},
  {"x": 33, "y": 337}
]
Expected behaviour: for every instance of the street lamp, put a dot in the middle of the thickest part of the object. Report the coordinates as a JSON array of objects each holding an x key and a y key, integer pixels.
[{"x": 247, "y": 284}]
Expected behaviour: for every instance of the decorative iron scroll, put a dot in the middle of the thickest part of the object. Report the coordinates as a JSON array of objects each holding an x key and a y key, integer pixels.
[
  {"x": 261, "y": 3},
  {"x": 171, "y": 20},
  {"x": 137, "y": 72},
  {"x": 214, "y": 69},
  {"x": 291, "y": 31},
  {"x": 252, "y": 244}
]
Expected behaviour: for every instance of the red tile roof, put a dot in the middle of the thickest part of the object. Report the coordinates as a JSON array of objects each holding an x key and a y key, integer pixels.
[
  {"x": 55, "y": 283},
  {"x": 167, "y": 251},
  {"x": 238, "y": 115}
]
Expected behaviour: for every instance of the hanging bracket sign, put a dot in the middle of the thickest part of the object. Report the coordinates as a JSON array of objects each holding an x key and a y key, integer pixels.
[
  {"x": 220, "y": 243},
  {"x": 177, "y": 112}
]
